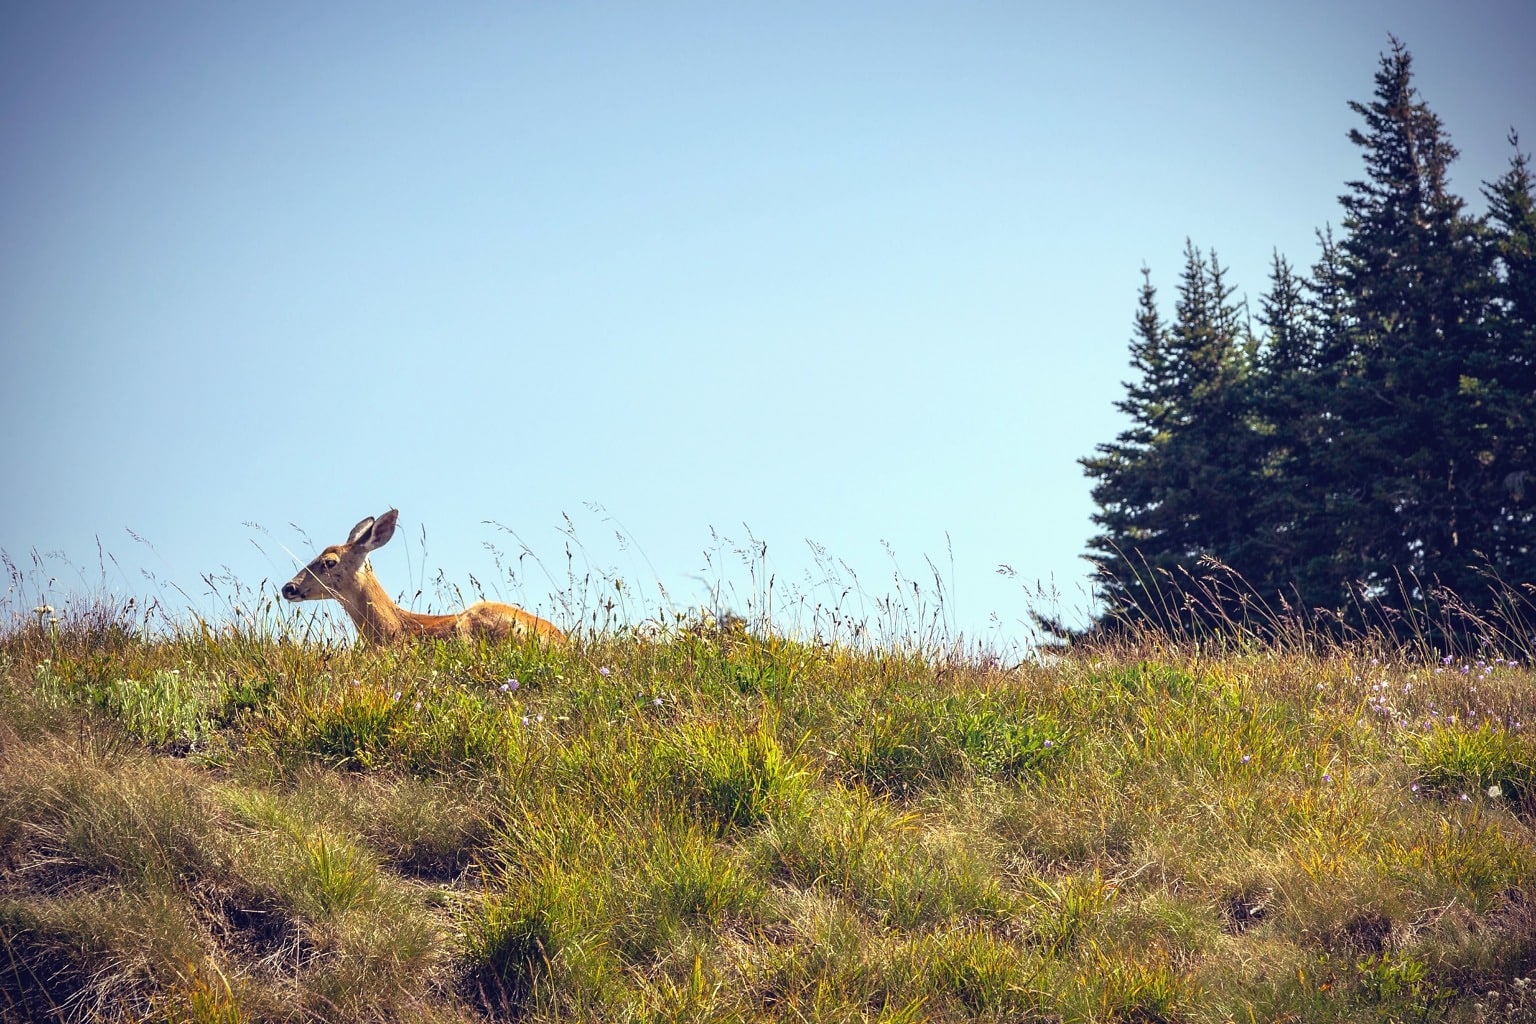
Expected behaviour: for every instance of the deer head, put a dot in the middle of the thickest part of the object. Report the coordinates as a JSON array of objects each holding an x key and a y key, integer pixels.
[{"x": 338, "y": 571}]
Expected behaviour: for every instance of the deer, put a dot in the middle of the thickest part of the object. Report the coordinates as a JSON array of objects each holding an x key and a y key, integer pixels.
[{"x": 342, "y": 572}]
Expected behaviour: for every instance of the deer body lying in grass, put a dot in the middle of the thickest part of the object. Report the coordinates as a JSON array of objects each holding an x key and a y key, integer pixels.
[{"x": 342, "y": 572}]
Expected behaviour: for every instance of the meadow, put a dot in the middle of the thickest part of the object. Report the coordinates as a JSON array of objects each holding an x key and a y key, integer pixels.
[{"x": 708, "y": 821}]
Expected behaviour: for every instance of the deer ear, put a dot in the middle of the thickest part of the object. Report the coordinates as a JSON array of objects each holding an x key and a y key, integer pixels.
[
  {"x": 360, "y": 530},
  {"x": 383, "y": 529}
]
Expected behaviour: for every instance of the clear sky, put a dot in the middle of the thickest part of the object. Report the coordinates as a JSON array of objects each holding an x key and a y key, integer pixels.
[{"x": 859, "y": 274}]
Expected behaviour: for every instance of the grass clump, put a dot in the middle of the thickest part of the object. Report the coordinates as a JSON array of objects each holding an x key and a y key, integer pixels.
[
  {"x": 893, "y": 864},
  {"x": 905, "y": 742},
  {"x": 732, "y": 778},
  {"x": 1453, "y": 761},
  {"x": 509, "y": 943}
]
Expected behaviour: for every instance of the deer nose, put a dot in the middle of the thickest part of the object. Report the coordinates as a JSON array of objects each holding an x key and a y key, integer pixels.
[{"x": 291, "y": 591}]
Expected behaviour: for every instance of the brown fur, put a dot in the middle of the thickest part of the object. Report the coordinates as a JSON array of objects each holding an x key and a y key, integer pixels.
[{"x": 342, "y": 572}]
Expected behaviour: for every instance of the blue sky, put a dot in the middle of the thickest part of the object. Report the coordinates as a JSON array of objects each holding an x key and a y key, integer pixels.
[{"x": 861, "y": 275}]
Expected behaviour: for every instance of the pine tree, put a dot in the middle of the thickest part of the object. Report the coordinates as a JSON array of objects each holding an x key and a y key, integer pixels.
[
  {"x": 1512, "y": 215},
  {"x": 1290, "y": 394},
  {"x": 1405, "y": 471},
  {"x": 1333, "y": 494},
  {"x": 1126, "y": 469},
  {"x": 1509, "y": 383},
  {"x": 1212, "y": 457},
  {"x": 1174, "y": 488}
]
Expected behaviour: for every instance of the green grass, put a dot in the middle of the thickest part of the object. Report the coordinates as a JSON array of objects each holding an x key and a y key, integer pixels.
[{"x": 207, "y": 826}]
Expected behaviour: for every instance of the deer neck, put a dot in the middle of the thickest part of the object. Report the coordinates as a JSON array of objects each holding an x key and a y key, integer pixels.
[{"x": 371, "y": 609}]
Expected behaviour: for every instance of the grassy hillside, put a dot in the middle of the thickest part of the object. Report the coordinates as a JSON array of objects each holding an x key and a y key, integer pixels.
[{"x": 222, "y": 826}]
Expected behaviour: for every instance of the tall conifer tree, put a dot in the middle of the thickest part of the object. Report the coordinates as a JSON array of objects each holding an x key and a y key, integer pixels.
[
  {"x": 1405, "y": 472},
  {"x": 1289, "y": 405},
  {"x": 1172, "y": 488},
  {"x": 1126, "y": 470},
  {"x": 1510, "y": 375}
]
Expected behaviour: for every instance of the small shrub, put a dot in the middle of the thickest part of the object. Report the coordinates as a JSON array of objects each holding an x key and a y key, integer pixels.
[
  {"x": 170, "y": 709},
  {"x": 1399, "y": 979},
  {"x": 249, "y": 694}
]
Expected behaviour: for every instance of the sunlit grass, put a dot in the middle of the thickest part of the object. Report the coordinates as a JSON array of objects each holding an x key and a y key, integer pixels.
[{"x": 714, "y": 822}]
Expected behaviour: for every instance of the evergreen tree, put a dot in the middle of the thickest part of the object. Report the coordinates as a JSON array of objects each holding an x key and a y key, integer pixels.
[
  {"x": 1509, "y": 381},
  {"x": 1512, "y": 215},
  {"x": 1126, "y": 469},
  {"x": 1212, "y": 457},
  {"x": 1325, "y": 572},
  {"x": 1173, "y": 488},
  {"x": 1290, "y": 403},
  {"x": 1405, "y": 472}
]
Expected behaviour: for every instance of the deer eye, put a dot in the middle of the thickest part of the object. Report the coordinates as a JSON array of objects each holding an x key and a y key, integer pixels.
[{"x": 330, "y": 563}]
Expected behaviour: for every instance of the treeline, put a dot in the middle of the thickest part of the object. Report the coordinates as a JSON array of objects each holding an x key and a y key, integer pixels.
[{"x": 1360, "y": 445}]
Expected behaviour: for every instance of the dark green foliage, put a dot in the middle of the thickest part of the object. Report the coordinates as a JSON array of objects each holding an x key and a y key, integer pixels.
[
  {"x": 1000, "y": 745},
  {"x": 247, "y": 695},
  {"x": 1297, "y": 376},
  {"x": 1509, "y": 385},
  {"x": 1369, "y": 455},
  {"x": 1170, "y": 489},
  {"x": 1411, "y": 450}
]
